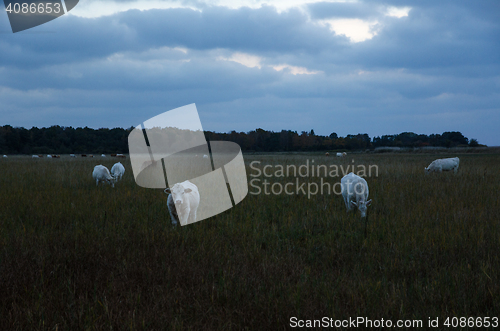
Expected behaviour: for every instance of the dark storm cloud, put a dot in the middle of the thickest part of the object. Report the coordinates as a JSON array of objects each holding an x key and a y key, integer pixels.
[
  {"x": 322, "y": 10},
  {"x": 437, "y": 37},
  {"x": 249, "y": 30}
]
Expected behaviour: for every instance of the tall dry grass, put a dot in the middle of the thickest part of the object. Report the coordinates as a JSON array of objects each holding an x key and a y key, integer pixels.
[{"x": 76, "y": 256}]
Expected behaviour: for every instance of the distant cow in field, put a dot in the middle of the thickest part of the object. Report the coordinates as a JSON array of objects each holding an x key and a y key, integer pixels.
[
  {"x": 91, "y": 155},
  {"x": 72, "y": 155},
  {"x": 56, "y": 156},
  {"x": 34, "y": 156},
  {"x": 117, "y": 171},
  {"x": 5, "y": 156},
  {"x": 49, "y": 156},
  {"x": 113, "y": 155},
  {"x": 40, "y": 155},
  {"x": 103, "y": 155},
  {"x": 101, "y": 174},
  {"x": 341, "y": 154},
  {"x": 205, "y": 156},
  {"x": 327, "y": 154},
  {"x": 441, "y": 165},
  {"x": 120, "y": 155},
  {"x": 84, "y": 155},
  {"x": 182, "y": 202},
  {"x": 355, "y": 193}
]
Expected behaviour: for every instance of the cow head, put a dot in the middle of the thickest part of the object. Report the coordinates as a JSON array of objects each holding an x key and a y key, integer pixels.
[
  {"x": 362, "y": 206},
  {"x": 177, "y": 192}
]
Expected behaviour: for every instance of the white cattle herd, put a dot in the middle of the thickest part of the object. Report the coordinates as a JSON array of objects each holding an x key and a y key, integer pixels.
[
  {"x": 102, "y": 174},
  {"x": 184, "y": 198}
]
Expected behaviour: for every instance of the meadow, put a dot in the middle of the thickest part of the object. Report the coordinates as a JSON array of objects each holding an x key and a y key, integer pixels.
[{"x": 74, "y": 256}]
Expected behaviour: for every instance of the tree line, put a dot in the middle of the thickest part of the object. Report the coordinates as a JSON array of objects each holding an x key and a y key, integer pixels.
[{"x": 65, "y": 140}]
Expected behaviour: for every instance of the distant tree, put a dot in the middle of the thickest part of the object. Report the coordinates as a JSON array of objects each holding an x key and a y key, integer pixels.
[{"x": 64, "y": 140}]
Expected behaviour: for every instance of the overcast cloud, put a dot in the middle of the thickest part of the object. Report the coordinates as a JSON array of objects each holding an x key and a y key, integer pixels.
[{"x": 377, "y": 67}]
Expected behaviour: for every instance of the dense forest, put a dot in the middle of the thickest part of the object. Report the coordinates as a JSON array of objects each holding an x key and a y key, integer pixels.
[{"x": 66, "y": 140}]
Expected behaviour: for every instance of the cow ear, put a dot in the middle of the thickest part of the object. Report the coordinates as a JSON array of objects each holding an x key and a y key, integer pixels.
[
  {"x": 354, "y": 203},
  {"x": 167, "y": 190},
  {"x": 369, "y": 202},
  {"x": 187, "y": 190}
]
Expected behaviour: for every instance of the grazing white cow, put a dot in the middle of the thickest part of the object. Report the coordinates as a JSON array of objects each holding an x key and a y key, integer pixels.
[
  {"x": 34, "y": 156},
  {"x": 5, "y": 156},
  {"x": 72, "y": 155},
  {"x": 49, "y": 156},
  {"x": 117, "y": 171},
  {"x": 205, "y": 156},
  {"x": 441, "y": 165},
  {"x": 101, "y": 174},
  {"x": 182, "y": 202},
  {"x": 103, "y": 155},
  {"x": 341, "y": 154},
  {"x": 355, "y": 193}
]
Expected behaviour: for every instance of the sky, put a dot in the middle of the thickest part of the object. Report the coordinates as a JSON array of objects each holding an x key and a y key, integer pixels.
[{"x": 377, "y": 67}]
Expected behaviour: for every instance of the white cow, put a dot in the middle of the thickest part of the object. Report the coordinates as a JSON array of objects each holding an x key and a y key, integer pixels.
[
  {"x": 341, "y": 154},
  {"x": 182, "y": 202},
  {"x": 117, "y": 171},
  {"x": 5, "y": 156},
  {"x": 72, "y": 155},
  {"x": 355, "y": 193},
  {"x": 49, "y": 156},
  {"x": 34, "y": 156},
  {"x": 103, "y": 155},
  {"x": 205, "y": 156},
  {"x": 441, "y": 165},
  {"x": 101, "y": 174}
]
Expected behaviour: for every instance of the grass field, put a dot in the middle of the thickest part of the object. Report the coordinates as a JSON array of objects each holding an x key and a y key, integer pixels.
[{"x": 74, "y": 256}]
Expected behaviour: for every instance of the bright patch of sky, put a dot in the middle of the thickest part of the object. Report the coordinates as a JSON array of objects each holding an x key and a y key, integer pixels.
[
  {"x": 355, "y": 29},
  {"x": 296, "y": 70},
  {"x": 253, "y": 61},
  {"x": 250, "y": 61},
  {"x": 398, "y": 12}
]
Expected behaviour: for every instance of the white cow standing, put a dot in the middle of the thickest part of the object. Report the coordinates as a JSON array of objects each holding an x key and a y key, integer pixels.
[
  {"x": 355, "y": 193},
  {"x": 117, "y": 171},
  {"x": 182, "y": 202},
  {"x": 101, "y": 174},
  {"x": 441, "y": 165},
  {"x": 341, "y": 154}
]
